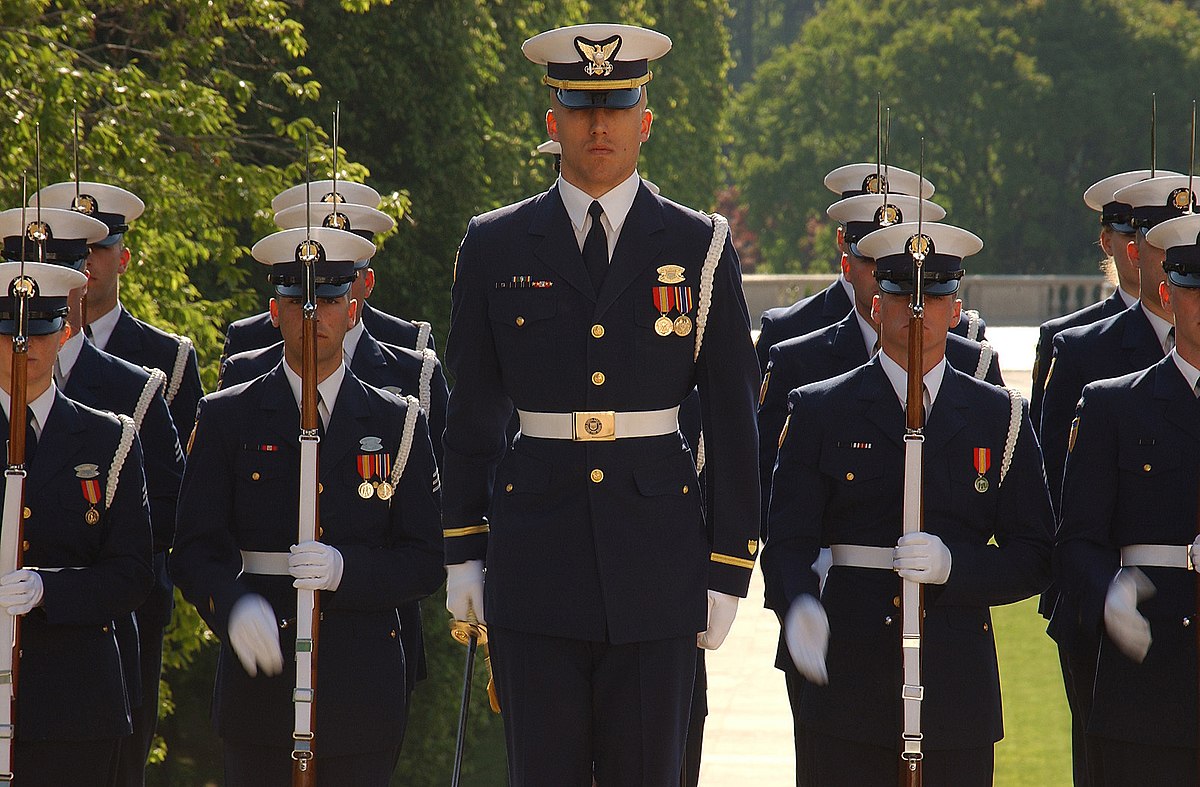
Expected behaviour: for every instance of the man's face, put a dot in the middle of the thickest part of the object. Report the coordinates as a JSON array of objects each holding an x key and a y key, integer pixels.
[
  {"x": 1149, "y": 260},
  {"x": 599, "y": 146},
  {"x": 1184, "y": 303},
  {"x": 361, "y": 287},
  {"x": 334, "y": 318},
  {"x": 104, "y": 265},
  {"x": 43, "y": 351},
  {"x": 892, "y": 314},
  {"x": 860, "y": 272}
]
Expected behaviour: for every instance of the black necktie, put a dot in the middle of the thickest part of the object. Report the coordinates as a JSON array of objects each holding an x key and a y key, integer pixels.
[
  {"x": 30, "y": 437},
  {"x": 595, "y": 247}
]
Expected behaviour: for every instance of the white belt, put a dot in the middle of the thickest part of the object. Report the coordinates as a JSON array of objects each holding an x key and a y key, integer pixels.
[
  {"x": 853, "y": 556},
  {"x": 269, "y": 563},
  {"x": 1157, "y": 555},
  {"x": 599, "y": 424}
]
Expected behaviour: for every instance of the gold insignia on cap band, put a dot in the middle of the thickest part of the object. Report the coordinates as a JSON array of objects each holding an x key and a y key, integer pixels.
[
  {"x": 1180, "y": 198},
  {"x": 37, "y": 231},
  {"x": 596, "y": 84},
  {"x": 84, "y": 203},
  {"x": 918, "y": 244},
  {"x": 739, "y": 562},
  {"x": 455, "y": 532}
]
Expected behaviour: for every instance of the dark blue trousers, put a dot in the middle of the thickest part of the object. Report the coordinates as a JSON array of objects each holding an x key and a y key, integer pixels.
[
  {"x": 266, "y": 766},
  {"x": 1120, "y": 763},
  {"x": 575, "y": 711},
  {"x": 825, "y": 761},
  {"x": 57, "y": 763}
]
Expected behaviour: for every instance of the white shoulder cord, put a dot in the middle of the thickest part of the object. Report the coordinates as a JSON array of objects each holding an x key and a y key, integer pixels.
[
  {"x": 1014, "y": 430},
  {"x": 153, "y": 385},
  {"x": 423, "y": 331},
  {"x": 428, "y": 360},
  {"x": 986, "y": 353},
  {"x": 128, "y": 430},
  {"x": 181, "y": 357},
  {"x": 715, "y": 247},
  {"x": 406, "y": 441}
]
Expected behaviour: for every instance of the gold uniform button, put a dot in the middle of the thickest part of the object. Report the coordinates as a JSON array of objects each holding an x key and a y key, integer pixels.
[
  {"x": 598, "y": 331},
  {"x": 508, "y": 487},
  {"x": 320, "y": 488},
  {"x": 392, "y": 633},
  {"x": 849, "y": 476},
  {"x": 985, "y": 627},
  {"x": 597, "y": 378},
  {"x": 896, "y": 602},
  {"x": 104, "y": 629},
  {"x": 597, "y": 476},
  {"x": 520, "y": 321},
  {"x": 24, "y": 546},
  {"x": 27, "y": 512},
  {"x": 1146, "y": 468},
  {"x": 255, "y": 476},
  {"x": 685, "y": 489}
]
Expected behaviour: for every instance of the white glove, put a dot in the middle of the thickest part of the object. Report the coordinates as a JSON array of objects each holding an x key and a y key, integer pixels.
[
  {"x": 922, "y": 557},
  {"x": 806, "y": 631},
  {"x": 1194, "y": 552},
  {"x": 254, "y": 635},
  {"x": 464, "y": 591},
  {"x": 20, "y": 591},
  {"x": 1126, "y": 627},
  {"x": 721, "y": 610},
  {"x": 315, "y": 566},
  {"x": 821, "y": 566}
]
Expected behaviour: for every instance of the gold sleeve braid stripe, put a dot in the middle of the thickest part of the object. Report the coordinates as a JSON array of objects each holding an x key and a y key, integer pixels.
[
  {"x": 454, "y": 532},
  {"x": 739, "y": 562}
]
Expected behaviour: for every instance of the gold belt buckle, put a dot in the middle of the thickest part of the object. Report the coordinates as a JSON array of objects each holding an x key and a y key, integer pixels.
[{"x": 596, "y": 425}]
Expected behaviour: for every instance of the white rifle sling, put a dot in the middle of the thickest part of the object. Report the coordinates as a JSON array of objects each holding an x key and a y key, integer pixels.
[
  {"x": 406, "y": 441},
  {"x": 986, "y": 353},
  {"x": 1015, "y": 402},
  {"x": 715, "y": 247},
  {"x": 428, "y": 362},
  {"x": 912, "y": 692},
  {"x": 128, "y": 430},
  {"x": 302, "y": 695},
  {"x": 153, "y": 385},
  {"x": 181, "y": 358},
  {"x": 14, "y": 492},
  {"x": 424, "y": 329}
]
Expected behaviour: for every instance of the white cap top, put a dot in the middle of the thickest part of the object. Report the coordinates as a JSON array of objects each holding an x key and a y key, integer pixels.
[
  {"x": 104, "y": 198},
  {"x": 1102, "y": 191},
  {"x": 559, "y": 46},
  {"x": 1153, "y": 191},
  {"x": 866, "y": 207},
  {"x": 338, "y": 245},
  {"x": 53, "y": 281},
  {"x": 1180, "y": 231},
  {"x": 347, "y": 216},
  {"x": 63, "y": 223},
  {"x": 322, "y": 191},
  {"x": 947, "y": 239},
  {"x": 852, "y": 179}
]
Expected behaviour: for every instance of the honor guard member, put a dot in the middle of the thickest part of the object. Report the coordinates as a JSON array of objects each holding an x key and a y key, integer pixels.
[
  {"x": 252, "y": 333},
  {"x": 1116, "y": 232},
  {"x": 92, "y": 377},
  {"x": 111, "y": 327},
  {"x": 836, "y": 301},
  {"x": 1132, "y": 340},
  {"x": 594, "y": 309},
  {"x": 1132, "y": 451},
  {"x": 86, "y": 553},
  {"x": 839, "y": 482},
  {"x": 236, "y": 556}
]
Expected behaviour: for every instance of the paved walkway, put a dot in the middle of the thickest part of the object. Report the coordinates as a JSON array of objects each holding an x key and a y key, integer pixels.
[{"x": 748, "y": 736}]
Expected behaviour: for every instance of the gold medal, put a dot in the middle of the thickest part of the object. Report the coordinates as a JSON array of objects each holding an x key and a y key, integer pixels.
[
  {"x": 365, "y": 490},
  {"x": 385, "y": 491},
  {"x": 981, "y": 485},
  {"x": 683, "y": 325},
  {"x": 92, "y": 516},
  {"x": 663, "y": 326}
]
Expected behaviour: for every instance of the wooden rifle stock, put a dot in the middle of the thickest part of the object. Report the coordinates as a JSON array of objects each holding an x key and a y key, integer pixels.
[{"x": 303, "y": 762}]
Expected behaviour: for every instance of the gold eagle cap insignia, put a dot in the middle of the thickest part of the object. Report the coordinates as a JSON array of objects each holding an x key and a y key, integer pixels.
[
  {"x": 598, "y": 54},
  {"x": 671, "y": 274}
]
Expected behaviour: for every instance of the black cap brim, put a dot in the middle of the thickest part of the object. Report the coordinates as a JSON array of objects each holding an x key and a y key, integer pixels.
[
  {"x": 599, "y": 99},
  {"x": 1188, "y": 279},
  {"x": 323, "y": 290},
  {"x": 1125, "y": 228},
  {"x": 37, "y": 327},
  {"x": 905, "y": 287}
]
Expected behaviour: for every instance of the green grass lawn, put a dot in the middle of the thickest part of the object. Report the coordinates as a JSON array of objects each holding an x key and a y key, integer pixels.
[{"x": 1036, "y": 750}]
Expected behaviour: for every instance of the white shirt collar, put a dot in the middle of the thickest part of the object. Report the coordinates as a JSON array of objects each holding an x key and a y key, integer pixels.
[
  {"x": 899, "y": 379},
  {"x": 1161, "y": 327},
  {"x": 350, "y": 342},
  {"x": 102, "y": 326},
  {"x": 68, "y": 354},
  {"x": 41, "y": 407},
  {"x": 1126, "y": 298},
  {"x": 327, "y": 389},
  {"x": 1189, "y": 372},
  {"x": 869, "y": 334},
  {"x": 616, "y": 203}
]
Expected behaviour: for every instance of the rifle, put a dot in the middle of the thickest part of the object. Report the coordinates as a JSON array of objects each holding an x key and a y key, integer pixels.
[
  {"x": 912, "y": 598},
  {"x": 308, "y": 603}
]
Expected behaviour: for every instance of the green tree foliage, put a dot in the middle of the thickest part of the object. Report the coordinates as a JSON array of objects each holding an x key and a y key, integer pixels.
[{"x": 1022, "y": 105}]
